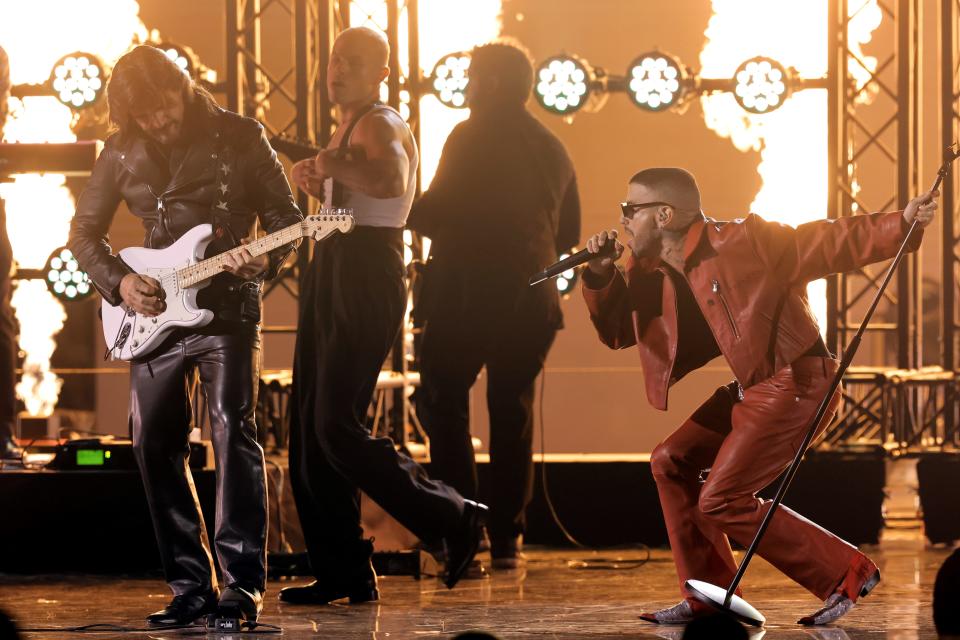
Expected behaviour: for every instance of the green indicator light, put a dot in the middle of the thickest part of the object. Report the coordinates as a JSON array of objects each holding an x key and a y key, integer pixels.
[{"x": 90, "y": 458}]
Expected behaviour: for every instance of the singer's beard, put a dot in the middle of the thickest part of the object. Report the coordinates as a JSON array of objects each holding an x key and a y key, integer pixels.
[{"x": 648, "y": 247}]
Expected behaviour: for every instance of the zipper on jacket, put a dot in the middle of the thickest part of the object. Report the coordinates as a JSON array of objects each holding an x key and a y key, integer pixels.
[{"x": 726, "y": 308}]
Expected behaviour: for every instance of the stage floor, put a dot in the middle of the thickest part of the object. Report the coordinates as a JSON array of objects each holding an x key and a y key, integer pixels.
[{"x": 550, "y": 599}]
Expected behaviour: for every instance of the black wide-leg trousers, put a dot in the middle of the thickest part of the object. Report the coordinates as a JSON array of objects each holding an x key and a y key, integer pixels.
[{"x": 353, "y": 301}]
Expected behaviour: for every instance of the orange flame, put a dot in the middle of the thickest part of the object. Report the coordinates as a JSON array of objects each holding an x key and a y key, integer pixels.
[
  {"x": 35, "y": 35},
  {"x": 793, "y": 139}
]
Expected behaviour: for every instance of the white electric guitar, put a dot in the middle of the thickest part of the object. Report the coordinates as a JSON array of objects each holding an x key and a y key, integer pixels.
[{"x": 182, "y": 272}]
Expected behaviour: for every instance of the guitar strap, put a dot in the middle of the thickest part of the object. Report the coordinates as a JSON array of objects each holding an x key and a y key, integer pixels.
[
  {"x": 336, "y": 196},
  {"x": 223, "y": 160}
]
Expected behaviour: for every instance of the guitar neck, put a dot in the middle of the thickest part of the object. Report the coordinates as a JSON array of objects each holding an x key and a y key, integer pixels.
[{"x": 205, "y": 269}]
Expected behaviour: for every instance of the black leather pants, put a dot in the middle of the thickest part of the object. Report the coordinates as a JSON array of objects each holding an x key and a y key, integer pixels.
[{"x": 228, "y": 365}]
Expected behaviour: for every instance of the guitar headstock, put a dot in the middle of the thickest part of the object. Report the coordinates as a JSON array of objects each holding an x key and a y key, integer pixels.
[
  {"x": 326, "y": 221},
  {"x": 294, "y": 148}
]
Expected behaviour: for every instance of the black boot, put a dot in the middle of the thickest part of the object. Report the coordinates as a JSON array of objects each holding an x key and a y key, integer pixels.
[
  {"x": 462, "y": 545},
  {"x": 238, "y": 604},
  {"x": 184, "y": 610},
  {"x": 507, "y": 553},
  {"x": 351, "y": 576}
]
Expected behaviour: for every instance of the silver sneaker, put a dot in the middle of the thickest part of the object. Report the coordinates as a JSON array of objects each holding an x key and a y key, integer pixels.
[
  {"x": 834, "y": 608},
  {"x": 838, "y": 605},
  {"x": 680, "y": 613}
]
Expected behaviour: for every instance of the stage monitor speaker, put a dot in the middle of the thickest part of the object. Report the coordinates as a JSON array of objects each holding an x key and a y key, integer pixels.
[{"x": 939, "y": 476}]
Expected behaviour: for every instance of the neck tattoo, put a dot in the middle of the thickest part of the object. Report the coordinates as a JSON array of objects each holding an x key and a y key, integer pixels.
[{"x": 672, "y": 252}]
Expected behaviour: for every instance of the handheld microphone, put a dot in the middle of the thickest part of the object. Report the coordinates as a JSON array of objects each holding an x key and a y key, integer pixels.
[{"x": 608, "y": 250}]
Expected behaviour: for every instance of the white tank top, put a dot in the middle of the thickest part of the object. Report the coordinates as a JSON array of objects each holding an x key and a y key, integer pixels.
[{"x": 378, "y": 212}]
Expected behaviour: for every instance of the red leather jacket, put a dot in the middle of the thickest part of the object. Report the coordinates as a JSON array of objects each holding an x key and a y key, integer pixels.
[{"x": 749, "y": 279}]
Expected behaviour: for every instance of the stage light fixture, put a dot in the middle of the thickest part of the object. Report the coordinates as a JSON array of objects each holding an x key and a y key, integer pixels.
[
  {"x": 656, "y": 81},
  {"x": 567, "y": 280},
  {"x": 761, "y": 85},
  {"x": 183, "y": 57},
  {"x": 449, "y": 79},
  {"x": 563, "y": 84},
  {"x": 64, "y": 278},
  {"x": 78, "y": 80}
]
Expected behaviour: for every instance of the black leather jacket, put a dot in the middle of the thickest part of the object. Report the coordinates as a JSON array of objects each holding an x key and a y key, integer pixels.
[{"x": 226, "y": 174}]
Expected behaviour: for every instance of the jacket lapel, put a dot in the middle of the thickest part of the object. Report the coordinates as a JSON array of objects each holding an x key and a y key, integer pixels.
[
  {"x": 136, "y": 160},
  {"x": 198, "y": 165}
]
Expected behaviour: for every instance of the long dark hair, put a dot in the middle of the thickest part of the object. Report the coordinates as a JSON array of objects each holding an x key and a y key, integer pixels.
[{"x": 138, "y": 82}]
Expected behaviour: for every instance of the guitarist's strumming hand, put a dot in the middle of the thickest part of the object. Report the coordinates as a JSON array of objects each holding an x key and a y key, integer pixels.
[
  {"x": 143, "y": 294},
  {"x": 307, "y": 178},
  {"x": 243, "y": 265}
]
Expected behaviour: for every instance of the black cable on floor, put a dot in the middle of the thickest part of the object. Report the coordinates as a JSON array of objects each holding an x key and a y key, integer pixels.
[
  {"x": 103, "y": 627},
  {"x": 193, "y": 629},
  {"x": 592, "y": 564}
]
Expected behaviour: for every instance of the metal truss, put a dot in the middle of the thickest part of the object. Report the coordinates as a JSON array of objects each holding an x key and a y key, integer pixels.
[
  {"x": 949, "y": 131},
  {"x": 873, "y": 136},
  {"x": 865, "y": 415},
  {"x": 290, "y": 99},
  {"x": 286, "y": 96},
  {"x": 875, "y": 126}
]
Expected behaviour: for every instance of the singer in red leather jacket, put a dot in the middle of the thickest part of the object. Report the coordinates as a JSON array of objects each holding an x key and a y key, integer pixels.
[{"x": 695, "y": 288}]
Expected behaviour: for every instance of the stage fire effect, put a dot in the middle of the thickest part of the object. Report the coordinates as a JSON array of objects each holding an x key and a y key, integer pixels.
[
  {"x": 39, "y": 207},
  {"x": 792, "y": 140},
  {"x": 478, "y": 21}
]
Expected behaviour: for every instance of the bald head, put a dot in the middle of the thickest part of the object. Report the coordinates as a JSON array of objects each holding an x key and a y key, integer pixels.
[
  {"x": 357, "y": 66},
  {"x": 674, "y": 186},
  {"x": 370, "y": 43}
]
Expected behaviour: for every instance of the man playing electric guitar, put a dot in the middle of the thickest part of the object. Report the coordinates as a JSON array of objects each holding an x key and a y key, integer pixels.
[{"x": 178, "y": 160}]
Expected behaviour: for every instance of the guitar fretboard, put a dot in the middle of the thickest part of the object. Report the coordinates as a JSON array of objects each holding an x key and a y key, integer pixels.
[{"x": 197, "y": 273}]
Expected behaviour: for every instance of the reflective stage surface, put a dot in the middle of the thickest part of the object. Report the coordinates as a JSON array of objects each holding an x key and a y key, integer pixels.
[{"x": 551, "y": 598}]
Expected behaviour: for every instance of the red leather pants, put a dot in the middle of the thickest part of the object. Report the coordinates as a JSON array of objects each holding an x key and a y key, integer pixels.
[{"x": 746, "y": 443}]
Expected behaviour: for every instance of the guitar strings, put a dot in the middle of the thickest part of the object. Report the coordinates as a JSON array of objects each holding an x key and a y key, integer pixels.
[{"x": 201, "y": 268}]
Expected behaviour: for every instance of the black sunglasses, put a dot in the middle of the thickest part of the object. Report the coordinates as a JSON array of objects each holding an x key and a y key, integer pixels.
[{"x": 630, "y": 209}]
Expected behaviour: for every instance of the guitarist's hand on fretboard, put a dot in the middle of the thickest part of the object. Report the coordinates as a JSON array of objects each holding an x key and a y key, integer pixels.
[
  {"x": 143, "y": 294},
  {"x": 244, "y": 265}
]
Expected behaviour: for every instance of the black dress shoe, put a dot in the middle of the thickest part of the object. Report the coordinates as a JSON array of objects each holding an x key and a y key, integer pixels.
[
  {"x": 349, "y": 575},
  {"x": 316, "y": 593},
  {"x": 507, "y": 553},
  {"x": 184, "y": 609},
  {"x": 237, "y": 603},
  {"x": 462, "y": 545}
]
